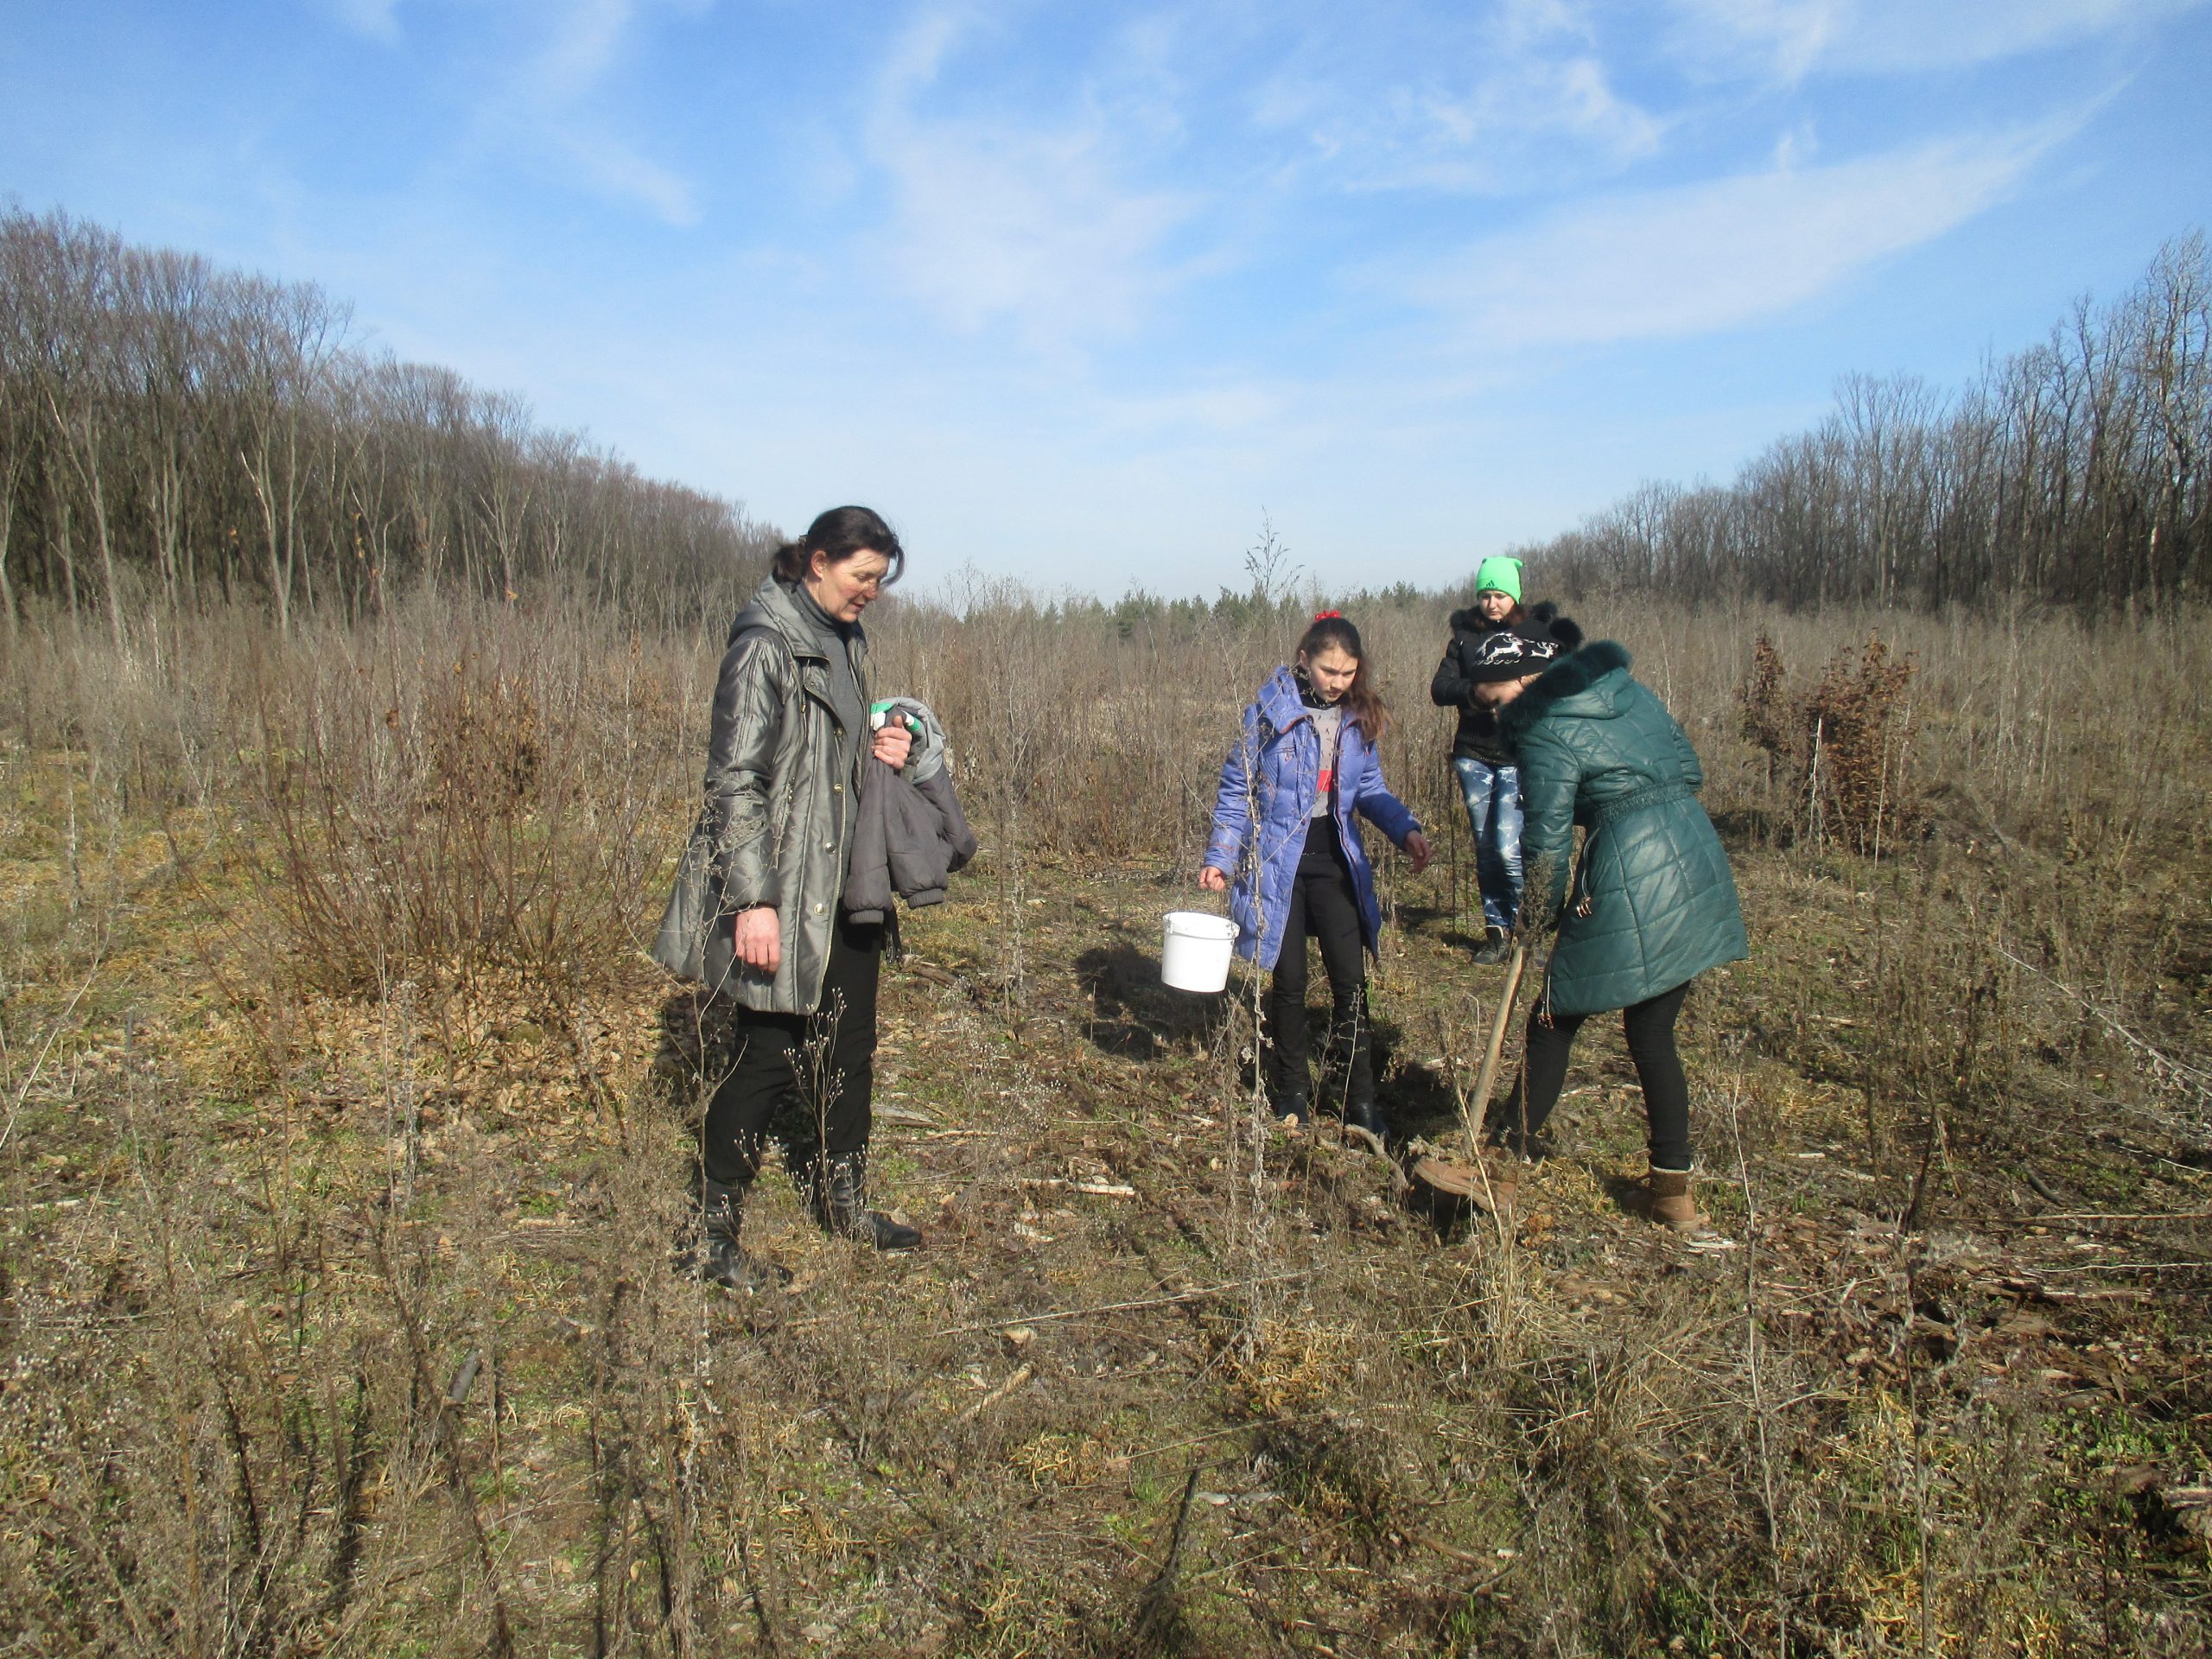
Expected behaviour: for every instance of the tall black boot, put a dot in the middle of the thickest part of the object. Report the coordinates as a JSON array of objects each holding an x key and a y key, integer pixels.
[
  {"x": 1354, "y": 1046},
  {"x": 720, "y": 1260},
  {"x": 840, "y": 1202},
  {"x": 1287, "y": 1083},
  {"x": 1362, "y": 1114}
]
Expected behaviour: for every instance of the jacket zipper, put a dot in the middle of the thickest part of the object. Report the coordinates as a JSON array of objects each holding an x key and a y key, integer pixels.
[{"x": 808, "y": 695}]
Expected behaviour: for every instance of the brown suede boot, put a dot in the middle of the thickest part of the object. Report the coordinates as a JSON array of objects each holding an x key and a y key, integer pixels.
[{"x": 1671, "y": 1206}]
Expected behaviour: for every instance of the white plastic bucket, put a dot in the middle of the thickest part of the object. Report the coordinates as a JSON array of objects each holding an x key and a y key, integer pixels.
[{"x": 1194, "y": 955}]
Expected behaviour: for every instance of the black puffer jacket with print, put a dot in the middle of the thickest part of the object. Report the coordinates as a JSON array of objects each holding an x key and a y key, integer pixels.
[{"x": 1478, "y": 738}]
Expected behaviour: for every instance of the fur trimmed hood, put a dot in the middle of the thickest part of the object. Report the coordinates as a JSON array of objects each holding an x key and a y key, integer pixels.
[
  {"x": 1542, "y": 617},
  {"x": 1570, "y": 677},
  {"x": 1543, "y": 621}
]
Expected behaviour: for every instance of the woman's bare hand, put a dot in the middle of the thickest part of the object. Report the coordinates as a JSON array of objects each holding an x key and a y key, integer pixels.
[
  {"x": 893, "y": 745},
  {"x": 1419, "y": 850},
  {"x": 761, "y": 939},
  {"x": 1213, "y": 881}
]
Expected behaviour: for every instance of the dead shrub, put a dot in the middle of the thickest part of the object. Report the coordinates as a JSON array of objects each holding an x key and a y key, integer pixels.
[
  {"x": 1771, "y": 722},
  {"x": 1844, "y": 748},
  {"x": 487, "y": 745},
  {"x": 468, "y": 796},
  {"x": 1860, "y": 747}
]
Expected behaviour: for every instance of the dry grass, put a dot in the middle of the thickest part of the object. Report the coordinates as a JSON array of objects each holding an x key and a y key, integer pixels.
[{"x": 345, "y": 1139}]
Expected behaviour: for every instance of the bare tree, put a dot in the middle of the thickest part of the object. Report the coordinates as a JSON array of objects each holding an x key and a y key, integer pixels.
[
  {"x": 2070, "y": 472},
  {"x": 198, "y": 433},
  {"x": 1268, "y": 563}
]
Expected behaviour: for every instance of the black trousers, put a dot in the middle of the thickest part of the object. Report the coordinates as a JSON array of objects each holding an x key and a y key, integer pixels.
[
  {"x": 807, "y": 1079},
  {"x": 1323, "y": 907},
  {"x": 1650, "y": 1029}
]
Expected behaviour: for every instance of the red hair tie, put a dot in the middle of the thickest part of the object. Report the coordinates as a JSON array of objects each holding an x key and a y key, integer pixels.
[{"x": 1328, "y": 616}]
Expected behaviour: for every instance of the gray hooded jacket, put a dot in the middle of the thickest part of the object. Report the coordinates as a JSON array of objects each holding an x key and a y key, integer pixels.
[{"x": 913, "y": 833}]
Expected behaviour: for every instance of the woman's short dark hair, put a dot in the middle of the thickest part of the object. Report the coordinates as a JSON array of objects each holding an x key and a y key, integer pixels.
[{"x": 840, "y": 534}]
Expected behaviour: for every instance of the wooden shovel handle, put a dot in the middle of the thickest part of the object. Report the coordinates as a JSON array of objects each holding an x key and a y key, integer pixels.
[{"x": 1478, "y": 1106}]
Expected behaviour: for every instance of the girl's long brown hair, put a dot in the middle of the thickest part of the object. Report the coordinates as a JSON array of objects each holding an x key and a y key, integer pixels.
[{"x": 1363, "y": 705}]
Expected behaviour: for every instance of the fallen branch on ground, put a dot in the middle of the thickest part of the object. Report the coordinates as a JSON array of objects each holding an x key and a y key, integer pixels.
[{"x": 1199, "y": 1295}]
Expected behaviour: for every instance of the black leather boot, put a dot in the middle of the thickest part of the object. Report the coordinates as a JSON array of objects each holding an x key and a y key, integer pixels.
[
  {"x": 840, "y": 1202},
  {"x": 720, "y": 1260},
  {"x": 1353, "y": 1044},
  {"x": 1366, "y": 1117}
]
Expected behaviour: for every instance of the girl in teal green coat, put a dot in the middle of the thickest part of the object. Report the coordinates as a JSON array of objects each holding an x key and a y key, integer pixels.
[{"x": 1650, "y": 904}]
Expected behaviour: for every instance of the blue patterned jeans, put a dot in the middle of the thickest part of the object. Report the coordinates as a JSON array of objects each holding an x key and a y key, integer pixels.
[{"x": 1493, "y": 798}]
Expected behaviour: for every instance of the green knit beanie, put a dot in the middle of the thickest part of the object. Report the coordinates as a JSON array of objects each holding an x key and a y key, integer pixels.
[{"x": 1502, "y": 574}]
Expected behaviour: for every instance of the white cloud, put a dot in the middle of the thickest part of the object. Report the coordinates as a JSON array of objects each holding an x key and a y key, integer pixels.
[
  {"x": 1796, "y": 147},
  {"x": 1569, "y": 98},
  {"x": 544, "y": 99},
  {"x": 1705, "y": 258},
  {"x": 1519, "y": 101},
  {"x": 377, "y": 19},
  {"x": 997, "y": 221},
  {"x": 1789, "y": 40},
  {"x": 586, "y": 36},
  {"x": 1205, "y": 412},
  {"x": 372, "y": 18},
  {"x": 919, "y": 53},
  {"x": 609, "y": 167},
  {"x": 1524, "y": 22},
  {"x": 551, "y": 104}
]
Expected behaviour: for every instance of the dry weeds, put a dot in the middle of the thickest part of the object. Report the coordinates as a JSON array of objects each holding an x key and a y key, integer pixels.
[{"x": 345, "y": 1129}]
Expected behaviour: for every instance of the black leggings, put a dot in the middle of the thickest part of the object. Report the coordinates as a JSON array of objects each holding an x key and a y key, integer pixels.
[
  {"x": 807, "y": 1077},
  {"x": 1325, "y": 908},
  {"x": 1651, "y": 1029}
]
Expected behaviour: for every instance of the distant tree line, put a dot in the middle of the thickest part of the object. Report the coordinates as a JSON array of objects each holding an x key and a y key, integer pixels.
[
  {"x": 1138, "y": 610},
  {"x": 175, "y": 433},
  {"x": 2073, "y": 473}
]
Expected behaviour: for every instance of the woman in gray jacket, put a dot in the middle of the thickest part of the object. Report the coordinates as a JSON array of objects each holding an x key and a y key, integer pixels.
[{"x": 790, "y": 734}]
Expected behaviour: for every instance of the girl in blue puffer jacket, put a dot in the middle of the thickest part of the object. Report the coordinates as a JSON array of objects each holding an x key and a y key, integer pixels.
[{"x": 1284, "y": 843}]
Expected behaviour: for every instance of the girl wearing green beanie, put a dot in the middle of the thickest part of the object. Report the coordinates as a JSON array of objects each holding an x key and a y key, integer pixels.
[{"x": 1488, "y": 785}]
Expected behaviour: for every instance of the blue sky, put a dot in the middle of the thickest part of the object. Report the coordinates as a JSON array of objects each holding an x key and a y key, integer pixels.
[{"x": 1074, "y": 292}]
